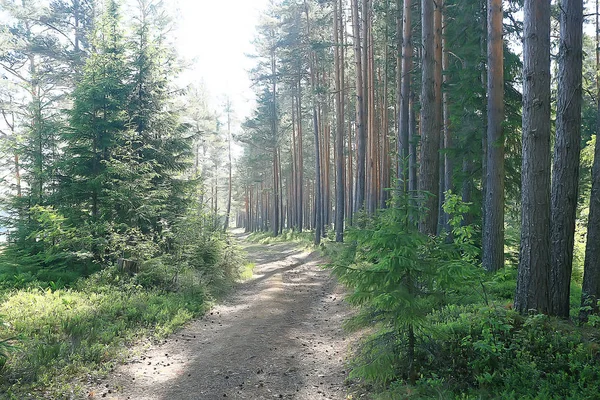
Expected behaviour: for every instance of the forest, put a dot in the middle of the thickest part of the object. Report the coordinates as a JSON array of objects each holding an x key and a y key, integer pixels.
[{"x": 441, "y": 155}]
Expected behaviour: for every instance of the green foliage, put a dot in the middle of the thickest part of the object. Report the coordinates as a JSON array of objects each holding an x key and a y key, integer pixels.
[
  {"x": 82, "y": 329},
  {"x": 288, "y": 235},
  {"x": 399, "y": 276},
  {"x": 467, "y": 342},
  {"x": 77, "y": 331}
]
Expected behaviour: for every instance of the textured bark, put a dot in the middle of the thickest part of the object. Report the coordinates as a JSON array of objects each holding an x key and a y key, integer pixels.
[
  {"x": 534, "y": 253},
  {"x": 430, "y": 128},
  {"x": 274, "y": 133},
  {"x": 293, "y": 191},
  {"x": 404, "y": 69},
  {"x": 339, "y": 122},
  {"x": 591, "y": 268},
  {"x": 412, "y": 144},
  {"x": 565, "y": 170},
  {"x": 318, "y": 198},
  {"x": 493, "y": 233},
  {"x": 300, "y": 181},
  {"x": 318, "y": 201},
  {"x": 438, "y": 55},
  {"x": 360, "y": 113},
  {"x": 447, "y": 134}
]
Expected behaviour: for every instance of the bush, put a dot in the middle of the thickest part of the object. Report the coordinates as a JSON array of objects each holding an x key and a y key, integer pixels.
[
  {"x": 81, "y": 329},
  {"x": 398, "y": 276},
  {"x": 444, "y": 329}
]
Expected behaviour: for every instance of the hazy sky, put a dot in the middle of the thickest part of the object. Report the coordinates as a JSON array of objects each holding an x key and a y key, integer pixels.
[{"x": 216, "y": 35}]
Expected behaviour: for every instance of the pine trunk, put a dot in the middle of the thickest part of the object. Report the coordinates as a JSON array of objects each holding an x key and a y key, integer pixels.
[
  {"x": 534, "y": 255},
  {"x": 493, "y": 233},
  {"x": 404, "y": 95},
  {"x": 339, "y": 122},
  {"x": 360, "y": 113},
  {"x": 565, "y": 170},
  {"x": 591, "y": 269},
  {"x": 430, "y": 129}
]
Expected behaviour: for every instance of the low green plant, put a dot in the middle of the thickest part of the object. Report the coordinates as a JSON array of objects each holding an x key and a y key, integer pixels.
[
  {"x": 398, "y": 275},
  {"x": 466, "y": 340},
  {"x": 305, "y": 238},
  {"x": 82, "y": 329}
]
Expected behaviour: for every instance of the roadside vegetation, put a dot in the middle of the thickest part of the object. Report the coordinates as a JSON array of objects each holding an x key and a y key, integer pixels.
[
  {"x": 442, "y": 327},
  {"x": 63, "y": 334}
]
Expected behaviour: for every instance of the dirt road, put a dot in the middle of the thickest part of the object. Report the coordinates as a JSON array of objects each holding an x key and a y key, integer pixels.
[{"x": 278, "y": 336}]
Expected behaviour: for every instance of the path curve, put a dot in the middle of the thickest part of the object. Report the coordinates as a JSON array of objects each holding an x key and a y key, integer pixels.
[{"x": 278, "y": 336}]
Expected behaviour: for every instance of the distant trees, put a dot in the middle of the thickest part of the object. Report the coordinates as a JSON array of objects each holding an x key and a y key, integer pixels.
[{"x": 383, "y": 136}]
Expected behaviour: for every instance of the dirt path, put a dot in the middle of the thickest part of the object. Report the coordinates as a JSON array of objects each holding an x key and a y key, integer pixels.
[{"x": 278, "y": 336}]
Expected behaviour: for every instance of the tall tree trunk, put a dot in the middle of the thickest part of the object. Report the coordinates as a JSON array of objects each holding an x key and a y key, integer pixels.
[
  {"x": 338, "y": 32},
  {"x": 300, "y": 182},
  {"x": 318, "y": 201},
  {"x": 437, "y": 29},
  {"x": 360, "y": 112},
  {"x": 565, "y": 171},
  {"x": 430, "y": 128},
  {"x": 534, "y": 254},
  {"x": 484, "y": 136},
  {"x": 447, "y": 133},
  {"x": 412, "y": 144},
  {"x": 493, "y": 233},
  {"x": 350, "y": 178},
  {"x": 274, "y": 133},
  {"x": 367, "y": 101},
  {"x": 591, "y": 269},
  {"x": 293, "y": 190},
  {"x": 230, "y": 183},
  {"x": 404, "y": 96}
]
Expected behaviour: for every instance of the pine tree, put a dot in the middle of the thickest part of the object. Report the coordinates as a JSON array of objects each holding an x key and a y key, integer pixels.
[{"x": 98, "y": 128}]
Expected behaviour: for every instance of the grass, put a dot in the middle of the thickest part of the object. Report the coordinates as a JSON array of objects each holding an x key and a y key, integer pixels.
[
  {"x": 67, "y": 334},
  {"x": 247, "y": 271},
  {"x": 305, "y": 238}
]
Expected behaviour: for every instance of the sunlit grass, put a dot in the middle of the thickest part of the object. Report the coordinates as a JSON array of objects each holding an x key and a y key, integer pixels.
[
  {"x": 67, "y": 334},
  {"x": 247, "y": 271},
  {"x": 305, "y": 238}
]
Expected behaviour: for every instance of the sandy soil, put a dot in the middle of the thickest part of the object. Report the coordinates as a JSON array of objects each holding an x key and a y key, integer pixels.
[{"x": 278, "y": 336}]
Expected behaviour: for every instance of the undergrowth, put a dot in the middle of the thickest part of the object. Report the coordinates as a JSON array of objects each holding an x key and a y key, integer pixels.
[
  {"x": 441, "y": 328},
  {"x": 65, "y": 335},
  {"x": 306, "y": 238}
]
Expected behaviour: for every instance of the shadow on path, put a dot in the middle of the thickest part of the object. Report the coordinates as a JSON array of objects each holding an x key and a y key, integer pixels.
[{"x": 279, "y": 336}]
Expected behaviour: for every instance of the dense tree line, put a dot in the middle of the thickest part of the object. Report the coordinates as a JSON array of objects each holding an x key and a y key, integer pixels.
[
  {"x": 105, "y": 156},
  {"x": 423, "y": 99}
]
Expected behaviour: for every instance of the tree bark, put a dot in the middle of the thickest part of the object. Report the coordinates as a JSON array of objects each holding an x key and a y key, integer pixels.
[
  {"x": 230, "y": 184},
  {"x": 565, "y": 170},
  {"x": 275, "y": 161},
  {"x": 534, "y": 253},
  {"x": 447, "y": 133},
  {"x": 300, "y": 182},
  {"x": 403, "y": 120},
  {"x": 339, "y": 122},
  {"x": 360, "y": 113},
  {"x": 430, "y": 128},
  {"x": 591, "y": 268},
  {"x": 493, "y": 233}
]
